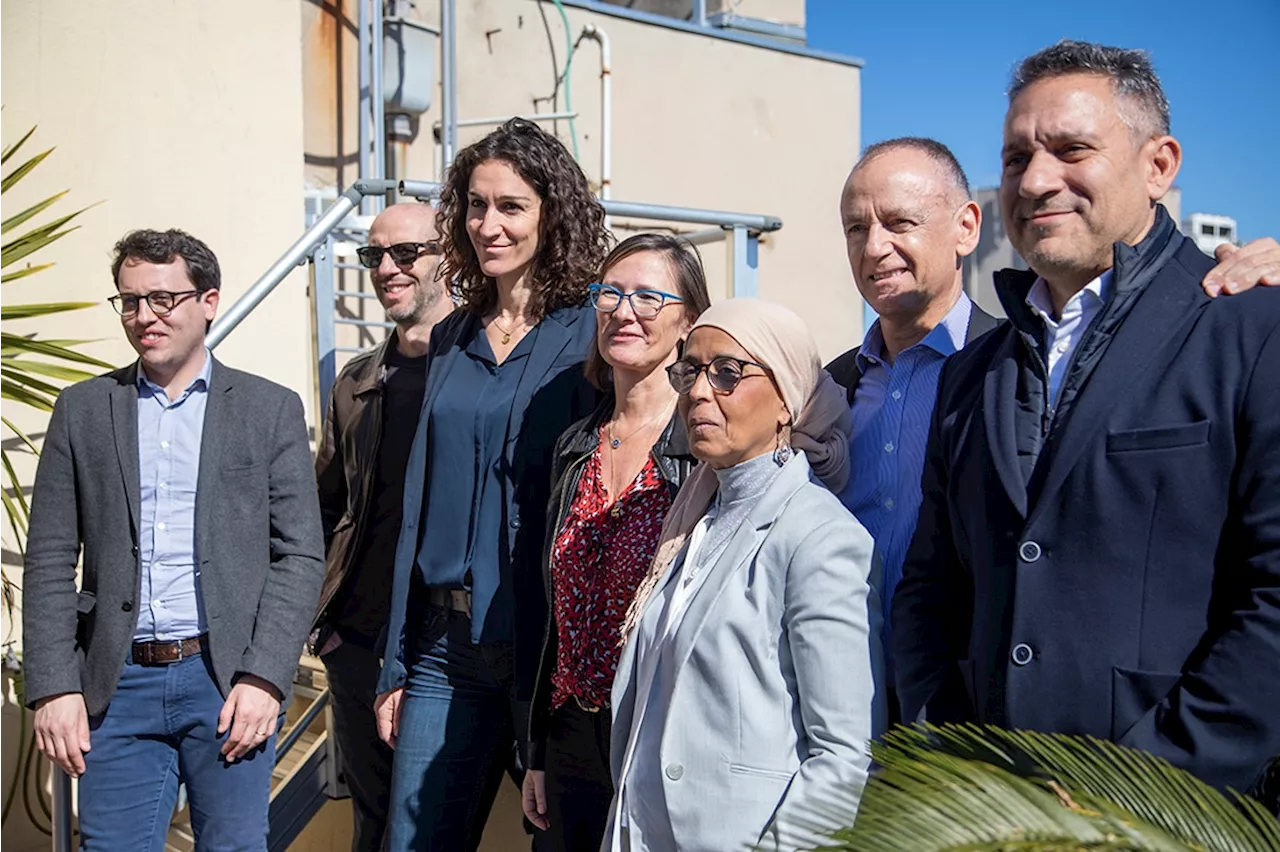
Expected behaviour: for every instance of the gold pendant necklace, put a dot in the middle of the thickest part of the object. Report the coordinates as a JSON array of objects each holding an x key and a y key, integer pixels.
[{"x": 506, "y": 335}]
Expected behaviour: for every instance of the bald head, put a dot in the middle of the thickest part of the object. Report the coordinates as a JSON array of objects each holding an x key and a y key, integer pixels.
[
  {"x": 952, "y": 176},
  {"x": 908, "y": 222},
  {"x": 409, "y": 292},
  {"x": 412, "y": 218}
]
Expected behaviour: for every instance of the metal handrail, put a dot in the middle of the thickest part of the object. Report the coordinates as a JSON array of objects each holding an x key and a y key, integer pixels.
[{"x": 299, "y": 727}]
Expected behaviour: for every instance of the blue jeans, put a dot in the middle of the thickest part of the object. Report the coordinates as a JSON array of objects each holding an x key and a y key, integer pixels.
[
  {"x": 161, "y": 728},
  {"x": 457, "y": 737}
]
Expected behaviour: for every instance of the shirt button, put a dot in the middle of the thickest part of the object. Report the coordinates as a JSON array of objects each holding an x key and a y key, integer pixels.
[
  {"x": 164, "y": 485},
  {"x": 1022, "y": 654},
  {"x": 675, "y": 771},
  {"x": 888, "y": 504},
  {"x": 160, "y": 525},
  {"x": 897, "y": 394},
  {"x": 1029, "y": 551},
  {"x": 888, "y": 448},
  {"x": 1061, "y": 347},
  {"x": 164, "y": 444}
]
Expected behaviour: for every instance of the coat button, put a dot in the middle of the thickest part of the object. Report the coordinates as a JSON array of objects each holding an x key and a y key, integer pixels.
[
  {"x": 515, "y": 523},
  {"x": 1029, "y": 551},
  {"x": 1022, "y": 654},
  {"x": 675, "y": 771},
  {"x": 135, "y": 550},
  {"x": 127, "y": 606}
]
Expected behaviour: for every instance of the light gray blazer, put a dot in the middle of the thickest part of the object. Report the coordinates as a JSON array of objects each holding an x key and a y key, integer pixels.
[
  {"x": 258, "y": 536},
  {"x": 778, "y": 683}
]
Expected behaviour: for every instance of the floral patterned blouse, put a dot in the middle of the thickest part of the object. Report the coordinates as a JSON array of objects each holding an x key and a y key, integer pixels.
[{"x": 600, "y": 556}]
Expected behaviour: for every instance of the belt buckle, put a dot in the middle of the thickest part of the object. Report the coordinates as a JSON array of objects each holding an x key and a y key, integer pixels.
[
  {"x": 178, "y": 644},
  {"x": 584, "y": 708}
]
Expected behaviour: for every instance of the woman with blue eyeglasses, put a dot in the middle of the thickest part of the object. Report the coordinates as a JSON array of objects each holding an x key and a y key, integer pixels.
[{"x": 616, "y": 473}]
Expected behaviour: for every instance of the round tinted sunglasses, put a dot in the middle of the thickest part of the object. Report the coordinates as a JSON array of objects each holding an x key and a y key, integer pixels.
[
  {"x": 723, "y": 372},
  {"x": 402, "y": 254}
]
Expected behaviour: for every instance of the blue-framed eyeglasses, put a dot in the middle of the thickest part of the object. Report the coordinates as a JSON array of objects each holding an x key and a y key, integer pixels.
[{"x": 646, "y": 304}]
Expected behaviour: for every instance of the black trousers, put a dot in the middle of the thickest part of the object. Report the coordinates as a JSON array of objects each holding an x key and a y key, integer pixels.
[
  {"x": 365, "y": 760},
  {"x": 578, "y": 784}
]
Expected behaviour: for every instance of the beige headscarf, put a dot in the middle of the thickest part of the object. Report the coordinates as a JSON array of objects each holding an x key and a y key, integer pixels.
[{"x": 820, "y": 419}]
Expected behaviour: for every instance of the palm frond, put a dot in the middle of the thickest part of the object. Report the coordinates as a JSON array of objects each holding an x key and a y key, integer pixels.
[
  {"x": 10, "y": 150},
  {"x": 24, "y": 272},
  {"x": 34, "y": 210},
  {"x": 41, "y": 309},
  {"x": 13, "y": 343},
  {"x": 23, "y": 170},
  {"x": 982, "y": 788}
]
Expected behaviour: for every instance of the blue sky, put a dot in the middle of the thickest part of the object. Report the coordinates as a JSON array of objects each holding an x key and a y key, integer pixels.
[{"x": 940, "y": 69}]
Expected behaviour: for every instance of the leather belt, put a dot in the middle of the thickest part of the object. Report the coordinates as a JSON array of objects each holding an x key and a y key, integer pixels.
[
  {"x": 164, "y": 653},
  {"x": 458, "y": 600}
]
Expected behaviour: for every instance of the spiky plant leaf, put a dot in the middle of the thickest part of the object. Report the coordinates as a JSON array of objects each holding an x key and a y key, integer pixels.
[
  {"x": 16, "y": 343},
  {"x": 23, "y": 272},
  {"x": 23, "y": 170},
  {"x": 34, "y": 210},
  {"x": 982, "y": 788},
  {"x": 10, "y": 150},
  {"x": 41, "y": 309}
]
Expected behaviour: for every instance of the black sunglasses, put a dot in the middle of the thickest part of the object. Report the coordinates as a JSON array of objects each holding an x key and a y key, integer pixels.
[
  {"x": 723, "y": 372},
  {"x": 402, "y": 254}
]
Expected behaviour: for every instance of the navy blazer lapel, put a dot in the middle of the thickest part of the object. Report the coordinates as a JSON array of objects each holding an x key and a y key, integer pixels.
[
  {"x": 555, "y": 332},
  {"x": 1150, "y": 328},
  {"x": 999, "y": 412},
  {"x": 124, "y": 425},
  {"x": 213, "y": 435}
]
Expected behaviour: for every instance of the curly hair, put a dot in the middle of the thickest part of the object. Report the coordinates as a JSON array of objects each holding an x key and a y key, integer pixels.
[{"x": 572, "y": 240}]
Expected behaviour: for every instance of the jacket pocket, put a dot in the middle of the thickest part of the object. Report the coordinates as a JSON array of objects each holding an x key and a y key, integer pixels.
[
  {"x": 742, "y": 769},
  {"x": 1159, "y": 438},
  {"x": 1134, "y": 693},
  {"x": 85, "y": 602}
]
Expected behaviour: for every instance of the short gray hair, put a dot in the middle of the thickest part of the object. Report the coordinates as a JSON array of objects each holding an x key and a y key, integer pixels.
[
  {"x": 931, "y": 148},
  {"x": 1130, "y": 71}
]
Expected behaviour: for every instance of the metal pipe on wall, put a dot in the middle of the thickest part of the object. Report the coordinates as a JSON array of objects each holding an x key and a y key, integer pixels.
[
  {"x": 601, "y": 38},
  {"x": 61, "y": 839},
  {"x": 378, "y": 158},
  {"x": 449, "y": 82},
  {"x": 700, "y": 12},
  {"x": 364, "y": 92}
]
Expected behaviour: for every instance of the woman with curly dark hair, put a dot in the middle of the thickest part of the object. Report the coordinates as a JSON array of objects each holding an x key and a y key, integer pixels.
[{"x": 523, "y": 237}]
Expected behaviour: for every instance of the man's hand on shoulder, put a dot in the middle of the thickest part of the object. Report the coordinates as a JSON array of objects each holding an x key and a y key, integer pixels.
[
  {"x": 1241, "y": 268},
  {"x": 62, "y": 731},
  {"x": 250, "y": 714}
]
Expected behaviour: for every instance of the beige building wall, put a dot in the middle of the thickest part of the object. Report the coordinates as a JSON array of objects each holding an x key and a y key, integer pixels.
[
  {"x": 183, "y": 114},
  {"x": 698, "y": 121}
]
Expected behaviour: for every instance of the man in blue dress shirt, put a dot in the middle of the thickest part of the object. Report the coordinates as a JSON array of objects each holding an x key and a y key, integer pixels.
[{"x": 189, "y": 487}]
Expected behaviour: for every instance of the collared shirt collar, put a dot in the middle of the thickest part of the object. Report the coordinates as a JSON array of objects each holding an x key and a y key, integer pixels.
[
  {"x": 946, "y": 338},
  {"x": 1039, "y": 300},
  {"x": 200, "y": 382}
]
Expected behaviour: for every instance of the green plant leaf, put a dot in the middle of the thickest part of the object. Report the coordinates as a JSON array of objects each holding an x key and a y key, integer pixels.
[
  {"x": 22, "y": 436},
  {"x": 26, "y": 380},
  {"x": 10, "y": 150},
  {"x": 25, "y": 397},
  {"x": 53, "y": 371},
  {"x": 32, "y": 241},
  {"x": 23, "y": 170},
  {"x": 983, "y": 788},
  {"x": 24, "y": 272},
  {"x": 36, "y": 309},
  {"x": 13, "y": 343},
  {"x": 18, "y": 218}
]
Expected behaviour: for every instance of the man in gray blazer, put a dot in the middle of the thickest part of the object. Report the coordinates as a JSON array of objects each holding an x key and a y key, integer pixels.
[{"x": 190, "y": 488}]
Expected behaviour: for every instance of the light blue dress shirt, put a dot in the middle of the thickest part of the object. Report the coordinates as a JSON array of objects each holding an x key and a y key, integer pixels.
[
  {"x": 892, "y": 408},
  {"x": 169, "y": 434},
  {"x": 1062, "y": 336}
]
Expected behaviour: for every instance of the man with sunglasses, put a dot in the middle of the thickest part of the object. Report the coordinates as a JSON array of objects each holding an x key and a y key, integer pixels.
[
  {"x": 189, "y": 487},
  {"x": 360, "y": 467}
]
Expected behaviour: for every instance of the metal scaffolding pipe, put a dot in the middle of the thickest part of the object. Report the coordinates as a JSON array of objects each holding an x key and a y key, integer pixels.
[
  {"x": 421, "y": 189},
  {"x": 693, "y": 216},
  {"x": 61, "y": 840},
  {"x": 296, "y": 254},
  {"x": 449, "y": 81},
  {"x": 700, "y": 12},
  {"x": 502, "y": 119},
  {"x": 377, "y": 101},
  {"x": 365, "y": 92}
]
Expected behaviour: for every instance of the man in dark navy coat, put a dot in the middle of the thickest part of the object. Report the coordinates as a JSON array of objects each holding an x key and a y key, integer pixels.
[{"x": 1098, "y": 551}]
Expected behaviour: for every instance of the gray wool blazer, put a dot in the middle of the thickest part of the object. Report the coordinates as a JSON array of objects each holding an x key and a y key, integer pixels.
[
  {"x": 258, "y": 536},
  {"x": 779, "y": 680}
]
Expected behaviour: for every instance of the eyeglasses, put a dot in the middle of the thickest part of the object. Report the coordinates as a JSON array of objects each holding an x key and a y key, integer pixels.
[
  {"x": 402, "y": 254},
  {"x": 724, "y": 373},
  {"x": 161, "y": 302},
  {"x": 606, "y": 298}
]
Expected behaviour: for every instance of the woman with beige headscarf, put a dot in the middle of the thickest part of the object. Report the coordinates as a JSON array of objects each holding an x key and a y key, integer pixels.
[{"x": 747, "y": 687}]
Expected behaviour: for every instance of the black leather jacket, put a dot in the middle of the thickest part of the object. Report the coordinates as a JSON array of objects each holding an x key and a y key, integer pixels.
[{"x": 675, "y": 462}]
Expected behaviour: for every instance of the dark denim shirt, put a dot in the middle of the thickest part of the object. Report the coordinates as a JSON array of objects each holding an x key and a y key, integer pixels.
[{"x": 463, "y": 522}]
